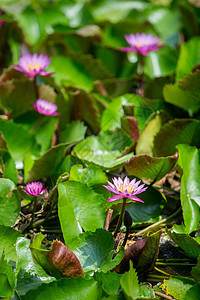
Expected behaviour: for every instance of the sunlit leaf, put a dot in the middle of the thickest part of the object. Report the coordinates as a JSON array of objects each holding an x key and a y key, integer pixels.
[
  {"x": 10, "y": 203},
  {"x": 189, "y": 161},
  {"x": 27, "y": 270},
  {"x": 7, "y": 166},
  {"x": 184, "y": 93},
  {"x": 160, "y": 63},
  {"x": 189, "y": 57},
  {"x": 154, "y": 168},
  {"x": 95, "y": 251},
  {"x": 8, "y": 238},
  {"x": 82, "y": 211},
  {"x": 104, "y": 150},
  {"x": 146, "y": 139},
  {"x": 66, "y": 289}
]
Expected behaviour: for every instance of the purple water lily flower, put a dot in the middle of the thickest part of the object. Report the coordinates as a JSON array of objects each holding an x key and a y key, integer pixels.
[
  {"x": 34, "y": 189},
  {"x": 125, "y": 189},
  {"x": 33, "y": 65},
  {"x": 142, "y": 43},
  {"x": 45, "y": 108}
]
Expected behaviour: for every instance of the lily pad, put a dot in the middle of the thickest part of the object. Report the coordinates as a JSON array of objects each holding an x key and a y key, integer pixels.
[{"x": 154, "y": 168}]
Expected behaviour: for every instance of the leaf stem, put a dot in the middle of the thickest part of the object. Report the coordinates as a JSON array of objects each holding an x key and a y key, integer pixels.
[
  {"x": 119, "y": 223},
  {"x": 158, "y": 223}
]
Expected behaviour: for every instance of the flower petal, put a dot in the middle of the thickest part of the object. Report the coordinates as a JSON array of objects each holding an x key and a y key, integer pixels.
[
  {"x": 114, "y": 198},
  {"x": 134, "y": 198}
]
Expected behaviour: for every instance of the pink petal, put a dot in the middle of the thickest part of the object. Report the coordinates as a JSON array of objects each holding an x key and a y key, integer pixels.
[
  {"x": 124, "y": 49},
  {"x": 134, "y": 198},
  {"x": 114, "y": 198}
]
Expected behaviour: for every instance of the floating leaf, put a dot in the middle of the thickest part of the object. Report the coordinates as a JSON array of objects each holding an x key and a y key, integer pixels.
[
  {"x": 66, "y": 289},
  {"x": 104, "y": 11},
  {"x": 44, "y": 133},
  {"x": 68, "y": 72},
  {"x": 73, "y": 205},
  {"x": 189, "y": 161},
  {"x": 7, "y": 166},
  {"x": 73, "y": 132},
  {"x": 48, "y": 163},
  {"x": 187, "y": 88},
  {"x": 186, "y": 242},
  {"x": 152, "y": 127},
  {"x": 189, "y": 57},
  {"x": 160, "y": 63},
  {"x": 154, "y": 168},
  {"x": 8, "y": 237},
  {"x": 91, "y": 175},
  {"x": 10, "y": 203},
  {"x": 95, "y": 251},
  {"x": 178, "y": 131},
  {"x": 27, "y": 270},
  {"x": 16, "y": 136},
  {"x": 104, "y": 150},
  {"x": 177, "y": 286},
  {"x": 59, "y": 261}
]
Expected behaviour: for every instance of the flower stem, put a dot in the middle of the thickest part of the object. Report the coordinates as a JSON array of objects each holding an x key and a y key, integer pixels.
[
  {"x": 119, "y": 223},
  {"x": 33, "y": 212},
  {"x": 108, "y": 218},
  {"x": 36, "y": 87}
]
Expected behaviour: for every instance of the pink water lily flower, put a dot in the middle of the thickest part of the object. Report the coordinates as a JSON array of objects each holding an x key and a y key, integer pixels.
[
  {"x": 34, "y": 189},
  {"x": 33, "y": 65},
  {"x": 45, "y": 107},
  {"x": 125, "y": 189},
  {"x": 142, "y": 43}
]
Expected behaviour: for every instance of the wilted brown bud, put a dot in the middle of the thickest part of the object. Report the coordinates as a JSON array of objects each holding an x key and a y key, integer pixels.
[{"x": 64, "y": 260}]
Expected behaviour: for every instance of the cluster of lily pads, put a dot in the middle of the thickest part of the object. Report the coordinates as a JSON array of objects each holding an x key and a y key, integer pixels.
[{"x": 99, "y": 150}]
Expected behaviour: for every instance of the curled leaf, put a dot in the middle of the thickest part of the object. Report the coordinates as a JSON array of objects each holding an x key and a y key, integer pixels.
[{"x": 59, "y": 261}]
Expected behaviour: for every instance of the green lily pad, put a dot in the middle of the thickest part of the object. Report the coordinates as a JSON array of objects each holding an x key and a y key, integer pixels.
[
  {"x": 105, "y": 150},
  {"x": 8, "y": 238},
  {"x": 154, "y": 168},
  {"x": 187, "y": 88},
  {"x": 10, "y": 203},
  {"x": 95, "y": 251},
  {"x": 66, "y": 289},
  {"x": 82, "y": 211},
  {"x": 178, "y": 131},
  {"x": 189, "y": 57},
  {"x": 7, "y": 166},
  {"x": 189, "y": 161}
]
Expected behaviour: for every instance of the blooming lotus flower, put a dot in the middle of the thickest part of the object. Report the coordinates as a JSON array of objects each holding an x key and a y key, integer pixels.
[
  {"x": 45, "y": 108},
  {"x": 34, "y": 189},
  {"x": 33, "y": 65},
  {"x": 125, "y": 189},
  {"x": 142, "y": 43}
]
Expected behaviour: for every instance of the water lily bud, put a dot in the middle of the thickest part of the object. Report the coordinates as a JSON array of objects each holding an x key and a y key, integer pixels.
[{"x": 127, "y": 219}]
